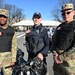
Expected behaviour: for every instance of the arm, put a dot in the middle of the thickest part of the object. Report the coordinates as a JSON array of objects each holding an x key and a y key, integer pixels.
[
  {"x": 53, "y": 49},
  {"x": 53, "y": 41},
  {"x": 14, "y": 48},
  {"x": 44, "y": 51}
]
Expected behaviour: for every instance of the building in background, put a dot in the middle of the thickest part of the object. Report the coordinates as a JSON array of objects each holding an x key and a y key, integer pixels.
[{"x": 26, "y": 24}]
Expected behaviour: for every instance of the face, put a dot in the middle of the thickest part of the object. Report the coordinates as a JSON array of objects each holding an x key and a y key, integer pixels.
[
  {"x": 3, "y": 20},
  {"x": 68, "y": 15},
  {"x": 37, "y": 20}
]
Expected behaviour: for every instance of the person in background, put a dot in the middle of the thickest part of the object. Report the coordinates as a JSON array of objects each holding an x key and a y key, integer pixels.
[
  {"x": 8, "y": 44},
  {"x": 41, "y": 49},
  {"x": 63, "y": 43}
]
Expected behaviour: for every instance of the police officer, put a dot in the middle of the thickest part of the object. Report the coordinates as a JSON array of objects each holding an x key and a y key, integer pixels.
[
  {"x": 63, "y": 43},
  {"x": 8, "y": 43},
  {"x": 38, "y": 28}
]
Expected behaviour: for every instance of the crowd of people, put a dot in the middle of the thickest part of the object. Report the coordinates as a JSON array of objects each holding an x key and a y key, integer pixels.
[{"x": 62, "y": 42}]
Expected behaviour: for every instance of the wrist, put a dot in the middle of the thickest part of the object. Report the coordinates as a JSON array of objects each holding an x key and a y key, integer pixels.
[{"x": 54, "y": 52}]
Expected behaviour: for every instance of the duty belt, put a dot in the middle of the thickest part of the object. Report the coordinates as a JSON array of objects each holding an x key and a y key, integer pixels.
[
  {"x": 70, "y": 51},
  {"x": 60, "y": 51}
]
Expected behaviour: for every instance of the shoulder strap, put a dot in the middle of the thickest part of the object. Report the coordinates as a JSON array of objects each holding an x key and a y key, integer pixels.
[{"x": 42, "y": 29}]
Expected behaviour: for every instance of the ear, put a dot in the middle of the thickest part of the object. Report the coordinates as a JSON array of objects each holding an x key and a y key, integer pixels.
[
  {"x": 74, "y": 12},
  {"x": 41, "y": 19}
]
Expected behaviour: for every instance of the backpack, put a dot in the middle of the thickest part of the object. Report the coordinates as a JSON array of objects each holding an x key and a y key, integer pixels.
[{"x": 35, "y": 41}]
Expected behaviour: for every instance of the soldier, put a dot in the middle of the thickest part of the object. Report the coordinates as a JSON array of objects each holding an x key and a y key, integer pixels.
[
  {"x": 63, "y": 43},
  {"x": 8, "y": 43}
]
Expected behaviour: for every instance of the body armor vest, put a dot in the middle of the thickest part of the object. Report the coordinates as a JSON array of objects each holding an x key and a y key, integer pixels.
[
  {"x": 6, "y": 36},
  {"x": 65, "y": 35}
]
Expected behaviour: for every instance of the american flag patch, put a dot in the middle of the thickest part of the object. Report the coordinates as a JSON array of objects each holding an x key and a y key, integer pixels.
[
  {"x": 58, "y": 28},
  {"x": 0, "y": 33}
]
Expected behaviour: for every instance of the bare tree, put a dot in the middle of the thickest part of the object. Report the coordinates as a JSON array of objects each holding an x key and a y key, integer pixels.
[
  {"x": 56, "y": 11},
  {"x": 18, "y": 14},
  {"x": 15, "y": 14},
  {"x": 56, "y": 14},
  {"x": 1, "y": 3}
]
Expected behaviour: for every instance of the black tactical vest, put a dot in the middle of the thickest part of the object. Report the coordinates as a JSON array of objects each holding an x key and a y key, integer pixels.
[
  {"x": 35, "y": 40},
  {"x": 65, "y": 36},
  {"x": 6, "y": 36}
]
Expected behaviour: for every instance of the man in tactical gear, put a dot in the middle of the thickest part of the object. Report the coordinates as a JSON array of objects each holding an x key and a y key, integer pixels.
[
  {"x": 37, "y": 39},
  {"x": 8, "y": 43},
  {"x": 63, "y": 43}
]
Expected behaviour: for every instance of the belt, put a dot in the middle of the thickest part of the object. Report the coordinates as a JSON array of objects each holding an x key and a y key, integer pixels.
[
  {"x": 60, "y": 51},
  {"x": 71, "y": 50}
]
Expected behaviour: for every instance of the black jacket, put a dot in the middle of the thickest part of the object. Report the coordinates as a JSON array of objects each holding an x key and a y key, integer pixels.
[
  {"x": 44, "y": 34},
  {"x": 64, "y": 38}
]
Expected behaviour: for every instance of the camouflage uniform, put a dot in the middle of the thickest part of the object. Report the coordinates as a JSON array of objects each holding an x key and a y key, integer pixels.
[
  {"x": 6, "y": 58},
  {"x": 68, "y": 65},
  {"x": 63, "y": 43},
  {"x": 68, "y": 58}
]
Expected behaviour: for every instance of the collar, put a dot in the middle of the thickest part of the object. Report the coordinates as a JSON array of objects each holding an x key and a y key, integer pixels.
[
  {"x": 38, "y": 27},
  {"x": 72, "y": 23}
]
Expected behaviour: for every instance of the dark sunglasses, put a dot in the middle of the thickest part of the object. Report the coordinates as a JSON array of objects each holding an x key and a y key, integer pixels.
[{"x": 63, "y": 13}]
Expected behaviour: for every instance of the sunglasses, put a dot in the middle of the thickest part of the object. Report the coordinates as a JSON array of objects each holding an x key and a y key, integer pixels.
[{"x": 64, "y": 13}]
